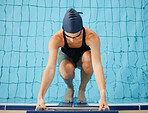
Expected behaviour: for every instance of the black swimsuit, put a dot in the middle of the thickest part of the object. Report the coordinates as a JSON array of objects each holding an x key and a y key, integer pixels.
[{"x": 75, "y": 53}]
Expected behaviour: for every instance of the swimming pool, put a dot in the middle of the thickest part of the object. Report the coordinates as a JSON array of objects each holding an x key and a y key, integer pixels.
[{"x": 27, "y": 25}]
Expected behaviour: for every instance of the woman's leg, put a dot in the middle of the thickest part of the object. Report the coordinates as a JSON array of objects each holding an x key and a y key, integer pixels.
[
  {"x": 66, "y": 69},
  {"x": 86, "y": 73}
]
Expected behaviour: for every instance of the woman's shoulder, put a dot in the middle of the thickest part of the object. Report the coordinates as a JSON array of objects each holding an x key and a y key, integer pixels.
[
  {"x": 90, "y": 34},
  {"x": 58, "y": 38}
]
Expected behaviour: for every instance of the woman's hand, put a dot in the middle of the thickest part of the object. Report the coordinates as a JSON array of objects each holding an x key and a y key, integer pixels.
[
  {"x": 41, "y": 105},
  {"x": 103, "y": 104}
]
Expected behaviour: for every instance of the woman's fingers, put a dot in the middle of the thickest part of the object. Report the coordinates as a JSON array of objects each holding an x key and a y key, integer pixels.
[
  {"x": 41, "y": 108},
  {"x": 104, "y": 108},
  {"x": 101, "y": 107},
  {"x": 107, "y": 107}
]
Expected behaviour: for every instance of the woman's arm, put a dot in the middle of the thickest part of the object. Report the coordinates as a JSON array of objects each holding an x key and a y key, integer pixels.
[
  {"x": 49, "y": 71},
  {"x": 94, "y": 43}
]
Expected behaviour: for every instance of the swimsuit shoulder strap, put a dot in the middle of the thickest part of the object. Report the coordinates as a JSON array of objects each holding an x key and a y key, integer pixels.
[{"x": 84, "y": 36}]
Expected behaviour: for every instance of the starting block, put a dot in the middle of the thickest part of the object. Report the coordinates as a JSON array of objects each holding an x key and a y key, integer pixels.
[{"x": 72, "y": 108}]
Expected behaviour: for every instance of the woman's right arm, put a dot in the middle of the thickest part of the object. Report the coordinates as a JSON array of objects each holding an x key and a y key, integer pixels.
[{"x": 49, "y": 71}]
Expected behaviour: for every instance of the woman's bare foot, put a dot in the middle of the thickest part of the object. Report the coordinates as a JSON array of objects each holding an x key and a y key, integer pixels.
[
  {"x": 81, "y": 97},
  {"x": 69, "y": 95}
]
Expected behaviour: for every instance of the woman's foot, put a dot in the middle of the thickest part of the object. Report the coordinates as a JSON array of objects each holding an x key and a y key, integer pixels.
[
  {"x": 69, "y": 95},
  {"x": 81, "y": 97}
]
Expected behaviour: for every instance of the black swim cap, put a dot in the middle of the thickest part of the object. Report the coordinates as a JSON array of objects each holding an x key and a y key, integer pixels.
[{"x": 72, "y": 22}]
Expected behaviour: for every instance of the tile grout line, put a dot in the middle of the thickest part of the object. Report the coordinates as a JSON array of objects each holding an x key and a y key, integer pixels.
[
  {"x": 5, "y": 107},
  {"x": 139, "y": 107}
]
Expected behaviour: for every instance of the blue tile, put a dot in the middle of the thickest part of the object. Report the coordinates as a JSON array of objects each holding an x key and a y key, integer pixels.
[
  {"x": 81, "y": 105},
  {"x": 144, "y": 107},
  {"x": 124, "y": 107},
  {"x": 13, "y": 107},
  {"x": 63, "y": 104},
  {"x": 2, "y": 107}
]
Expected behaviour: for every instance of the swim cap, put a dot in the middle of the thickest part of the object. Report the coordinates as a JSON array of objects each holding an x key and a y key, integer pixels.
[{"x": 72, "y": 22}]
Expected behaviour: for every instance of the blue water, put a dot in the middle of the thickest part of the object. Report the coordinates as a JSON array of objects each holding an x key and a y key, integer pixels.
[{"x": 25, "y": 30}]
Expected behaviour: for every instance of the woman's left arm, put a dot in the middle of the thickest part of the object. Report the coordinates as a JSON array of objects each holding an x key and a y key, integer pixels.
[{"x": 94, "y": 43}]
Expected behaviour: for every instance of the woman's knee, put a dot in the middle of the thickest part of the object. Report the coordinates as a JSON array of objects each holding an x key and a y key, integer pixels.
[
  {"x": 86, "y": 62},
  {"x": 66, "y": 69}
]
